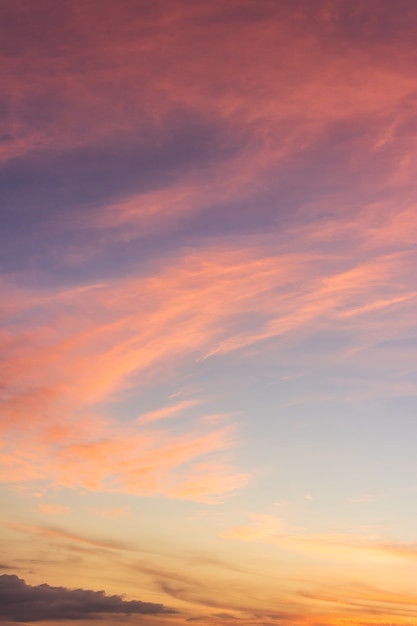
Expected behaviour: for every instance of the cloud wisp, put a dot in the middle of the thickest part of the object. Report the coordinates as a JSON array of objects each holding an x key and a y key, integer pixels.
[
  {"x": 197, "y": 130},
  {"x": 330, "y": 545}
]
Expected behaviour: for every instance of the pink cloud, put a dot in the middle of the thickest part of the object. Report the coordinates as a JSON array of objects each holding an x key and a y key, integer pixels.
[
  {"x": 168, "y": 411},
  {"x": 89, "y": 344},
  {"x": 280, "y": 111}
]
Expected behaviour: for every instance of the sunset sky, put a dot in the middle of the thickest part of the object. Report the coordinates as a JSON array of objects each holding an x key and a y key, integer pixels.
[{"x": 208, "y": 368}]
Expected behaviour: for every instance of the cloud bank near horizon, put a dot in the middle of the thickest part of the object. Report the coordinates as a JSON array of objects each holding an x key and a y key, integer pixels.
[{"x": 20, "y": 602}]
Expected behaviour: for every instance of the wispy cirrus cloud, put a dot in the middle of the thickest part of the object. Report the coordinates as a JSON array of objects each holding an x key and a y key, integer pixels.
[
  {"x": 67, "y": 351},
  {"x": 366, "y": 600},
  {"x": 331, "y": 545}
]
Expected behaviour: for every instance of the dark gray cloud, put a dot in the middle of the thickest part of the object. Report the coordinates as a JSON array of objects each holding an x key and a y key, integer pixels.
[{"x": 20, "y": 602}]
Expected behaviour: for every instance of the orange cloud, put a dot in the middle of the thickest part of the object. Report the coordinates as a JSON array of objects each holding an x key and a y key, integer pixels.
[
  {"x": 52, "y": 509},
  {"x": 115, "y": 512},
  {"x": 273, "y": 530},
  {"x": 251, "y": 597}
]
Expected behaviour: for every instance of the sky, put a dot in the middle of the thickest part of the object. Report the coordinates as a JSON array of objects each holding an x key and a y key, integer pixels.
[{"x": 208, "y": 371}]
